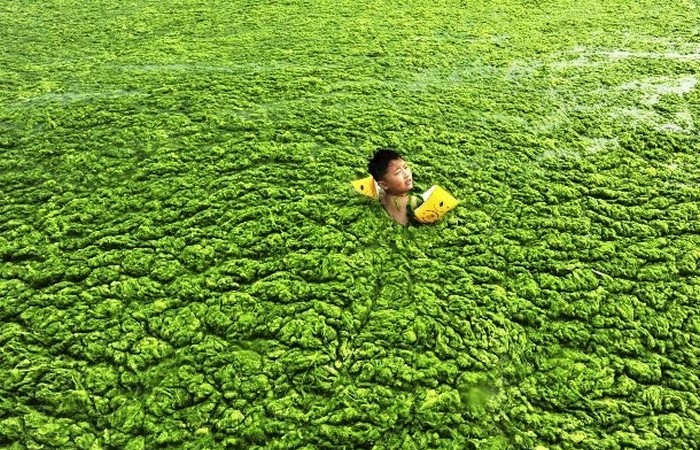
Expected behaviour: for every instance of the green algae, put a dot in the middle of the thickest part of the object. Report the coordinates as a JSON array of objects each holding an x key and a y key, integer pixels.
[{"x": 184, "y": 264}]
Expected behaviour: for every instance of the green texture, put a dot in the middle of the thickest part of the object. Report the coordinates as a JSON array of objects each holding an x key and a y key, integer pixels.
[{"x": 183, "y": 263}]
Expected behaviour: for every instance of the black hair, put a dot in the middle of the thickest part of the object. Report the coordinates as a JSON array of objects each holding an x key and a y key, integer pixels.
[{"x": 380, "y": 162}]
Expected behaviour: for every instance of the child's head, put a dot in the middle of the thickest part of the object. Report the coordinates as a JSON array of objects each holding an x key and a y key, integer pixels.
[{"x": 390, "y": 171}]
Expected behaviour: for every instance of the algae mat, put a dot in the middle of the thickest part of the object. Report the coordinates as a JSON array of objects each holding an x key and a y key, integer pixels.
[{"x": 183, "y": 263}]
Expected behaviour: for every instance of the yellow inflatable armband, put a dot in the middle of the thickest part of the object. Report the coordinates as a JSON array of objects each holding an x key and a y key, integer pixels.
[
  {"x": 436, "y": 203},
  {"x": 366, "y": 186}
]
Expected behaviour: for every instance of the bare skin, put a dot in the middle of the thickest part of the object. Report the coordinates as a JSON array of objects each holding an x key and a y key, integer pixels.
[{"x": 395, "y": 206}]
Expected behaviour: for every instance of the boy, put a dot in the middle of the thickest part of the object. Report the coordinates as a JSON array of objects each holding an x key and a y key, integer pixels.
[{"x": 395, "y": 179}]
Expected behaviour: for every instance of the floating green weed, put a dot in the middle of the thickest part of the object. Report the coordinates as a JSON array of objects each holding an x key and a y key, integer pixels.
[{"x": 184, "y": 264}]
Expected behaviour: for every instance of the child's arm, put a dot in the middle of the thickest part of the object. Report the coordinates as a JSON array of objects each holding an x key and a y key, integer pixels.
[{"x": 414, "y": 201}]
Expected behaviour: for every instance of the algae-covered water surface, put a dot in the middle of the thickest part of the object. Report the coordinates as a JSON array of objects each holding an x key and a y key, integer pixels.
[{"x": 184, "y": 264}]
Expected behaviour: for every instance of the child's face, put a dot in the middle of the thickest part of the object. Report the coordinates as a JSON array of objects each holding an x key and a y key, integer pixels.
[{"x": 398, "y": 178}]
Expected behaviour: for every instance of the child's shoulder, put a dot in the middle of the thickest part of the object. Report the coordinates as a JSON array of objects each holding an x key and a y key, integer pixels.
[{"x": 414, "y": 201}]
